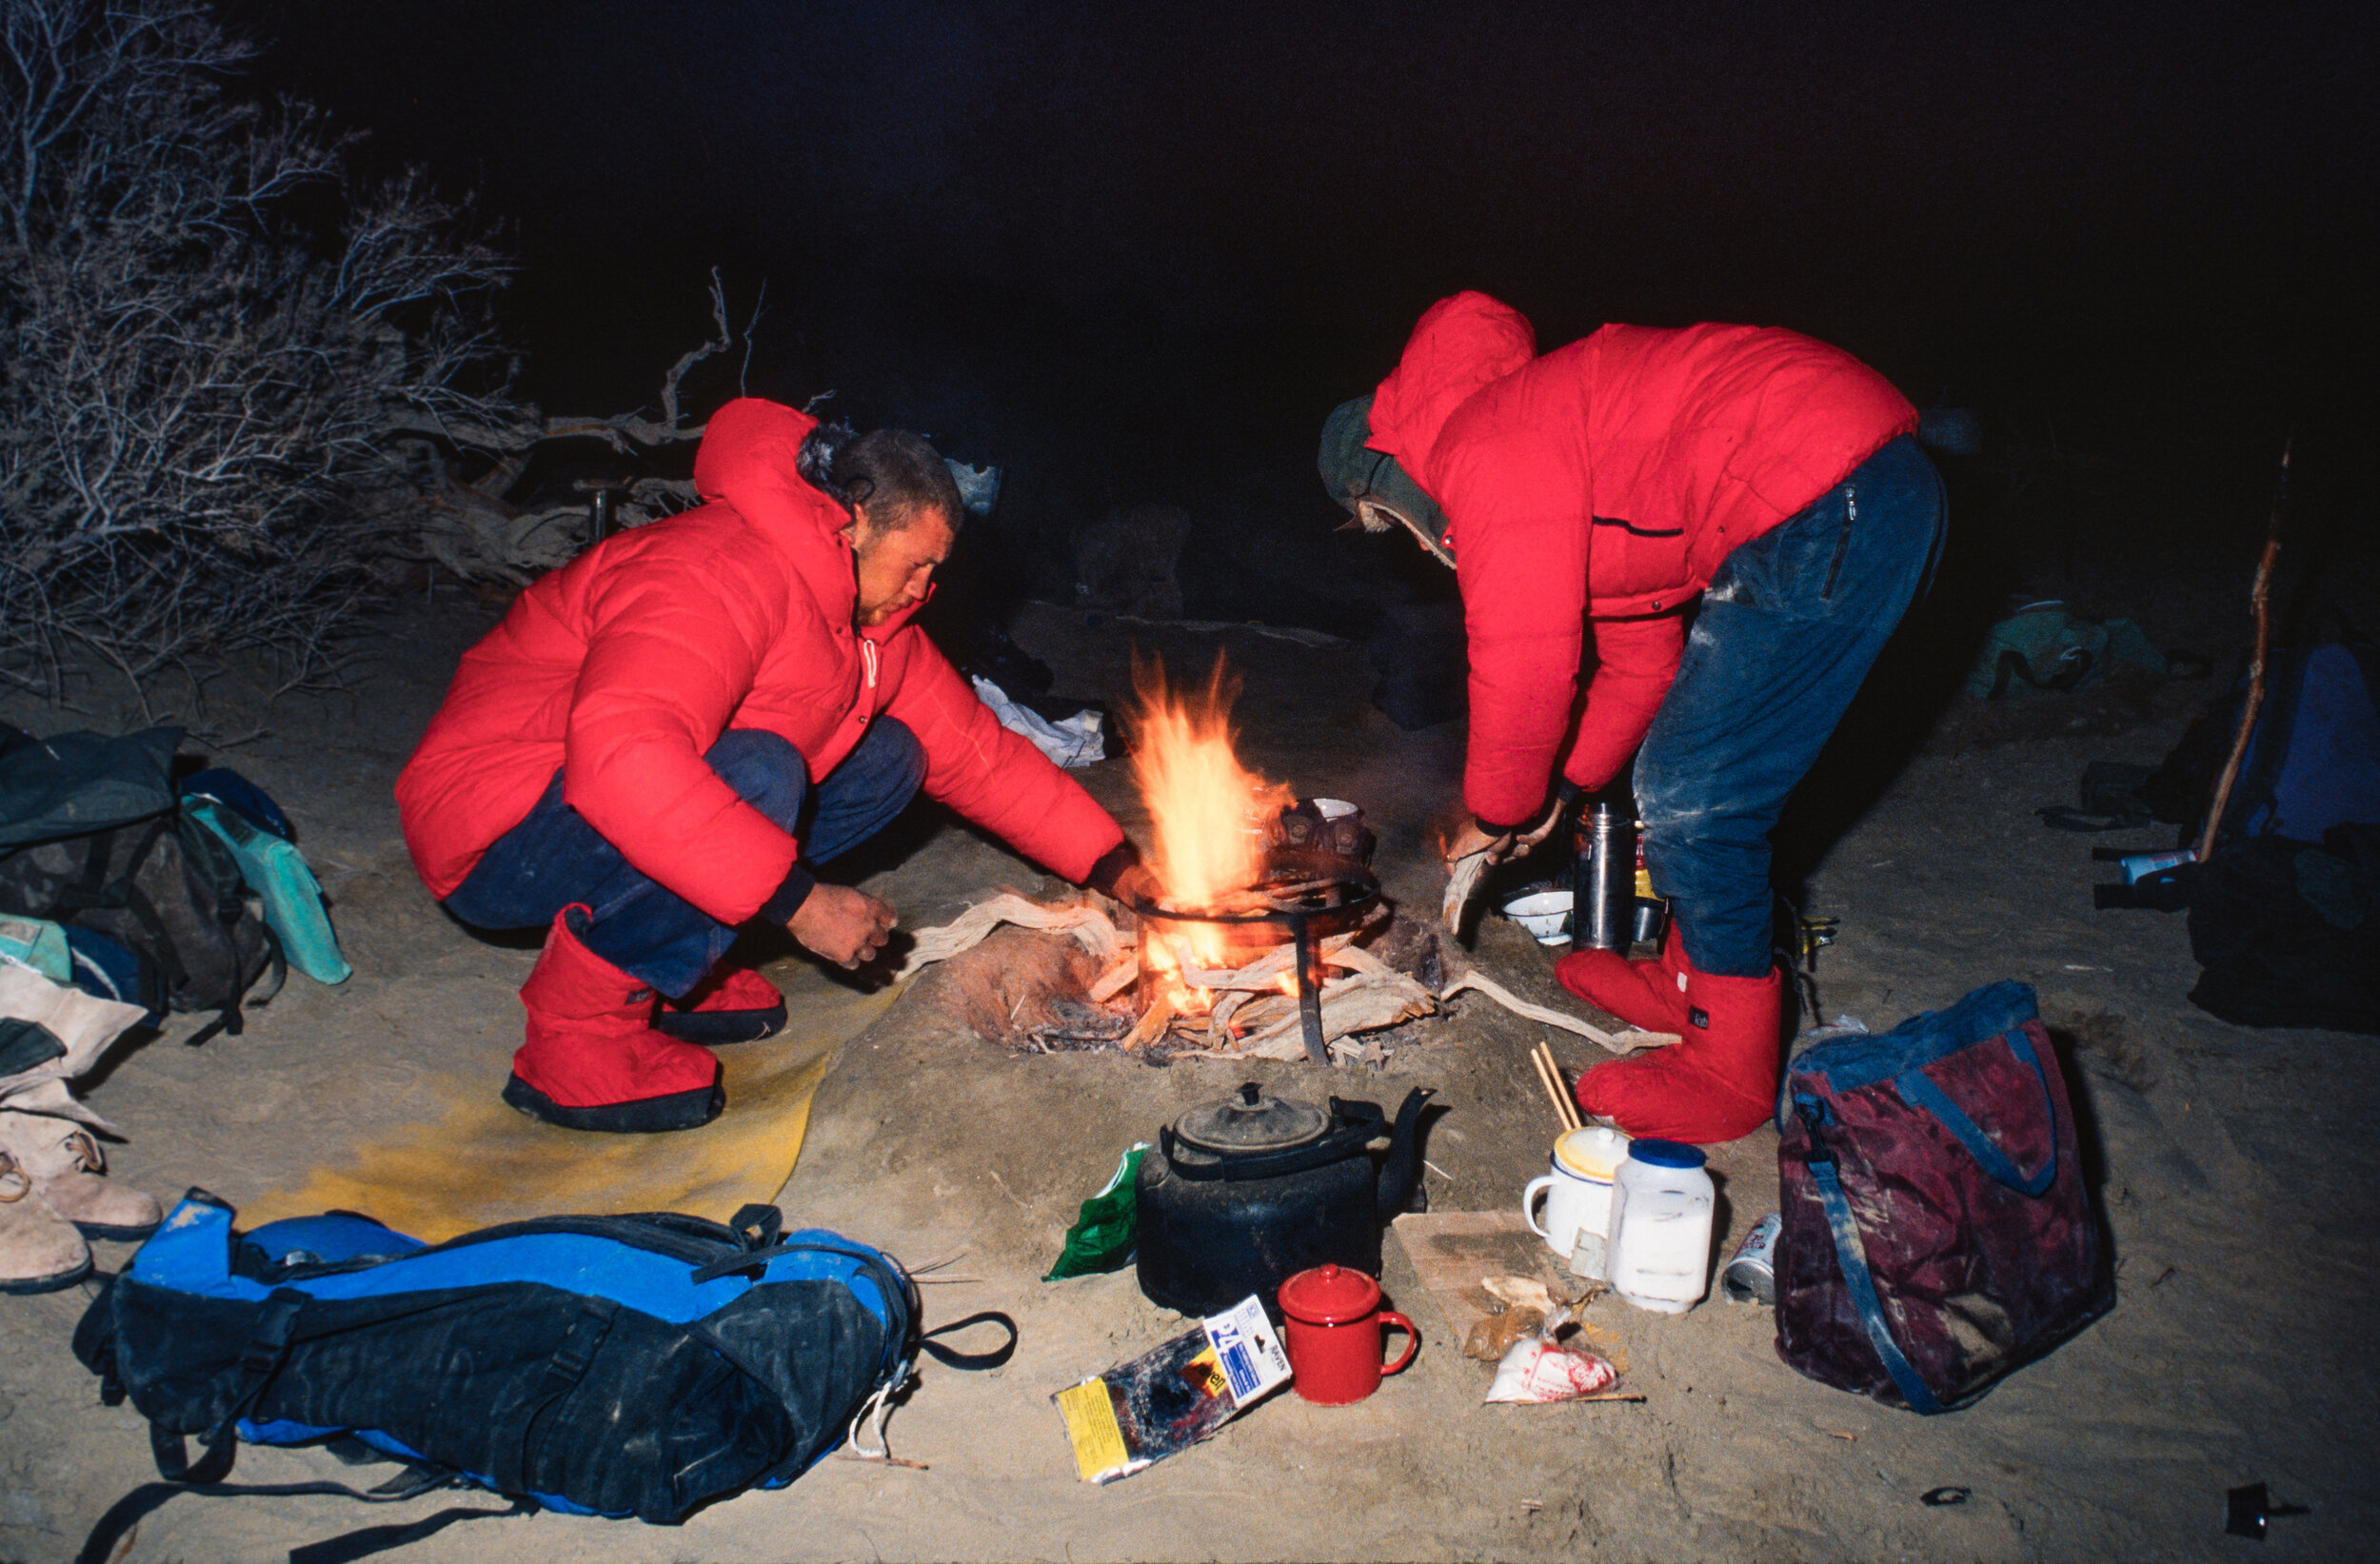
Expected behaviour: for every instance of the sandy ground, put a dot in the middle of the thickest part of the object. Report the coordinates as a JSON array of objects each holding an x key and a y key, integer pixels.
[{"x": 2233, "y": 1166}]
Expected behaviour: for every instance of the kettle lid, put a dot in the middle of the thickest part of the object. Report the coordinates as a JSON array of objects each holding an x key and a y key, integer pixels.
[{"x": 1252, "y": 1120}]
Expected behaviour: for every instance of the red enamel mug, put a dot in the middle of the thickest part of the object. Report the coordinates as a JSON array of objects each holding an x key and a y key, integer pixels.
[{"x": 1334, "y": 1321}]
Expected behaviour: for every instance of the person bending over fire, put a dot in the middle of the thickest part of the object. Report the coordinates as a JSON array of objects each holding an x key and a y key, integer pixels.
[
  {"x": 1720, "y": 526},
  {"x": 660, "y": 739}
]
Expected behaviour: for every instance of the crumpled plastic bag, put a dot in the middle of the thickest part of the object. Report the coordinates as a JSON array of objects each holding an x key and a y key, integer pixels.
[
  {"x": 1107, "y": 1229},
  {"x": 1078, "y": 741},
  {"x": 1538, "y": 1369},
  {"x": 1541, "y": 1368}
]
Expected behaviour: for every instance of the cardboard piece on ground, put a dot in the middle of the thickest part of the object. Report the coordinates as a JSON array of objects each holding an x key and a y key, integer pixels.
[
  {"x": 1453, "y": 1251},
  {"x": 472, "y": 1162}
]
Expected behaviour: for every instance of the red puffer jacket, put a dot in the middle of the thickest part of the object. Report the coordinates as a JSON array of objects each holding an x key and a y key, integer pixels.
[
  {"x": 1605, "y": 480},
  {"x": 625, "y": 667}
]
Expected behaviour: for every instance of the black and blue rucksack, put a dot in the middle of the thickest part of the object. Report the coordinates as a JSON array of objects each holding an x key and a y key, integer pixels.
[{"x": 619, "y": 1366}]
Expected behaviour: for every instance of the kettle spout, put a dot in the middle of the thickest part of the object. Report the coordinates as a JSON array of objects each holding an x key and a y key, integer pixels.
[{"x": 1400, "y": 1172}]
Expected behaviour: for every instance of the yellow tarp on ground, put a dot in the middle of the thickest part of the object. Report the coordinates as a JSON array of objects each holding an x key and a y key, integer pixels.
[{"x": 477, "y": 1163}]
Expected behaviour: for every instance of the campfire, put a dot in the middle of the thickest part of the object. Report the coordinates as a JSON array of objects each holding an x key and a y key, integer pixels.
[
  {"x": 1265, "y": 936},
  {"x": 1253, "y": 944}
]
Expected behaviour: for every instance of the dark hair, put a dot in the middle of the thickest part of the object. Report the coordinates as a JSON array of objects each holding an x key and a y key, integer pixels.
[{"x": 892, "y": 469}]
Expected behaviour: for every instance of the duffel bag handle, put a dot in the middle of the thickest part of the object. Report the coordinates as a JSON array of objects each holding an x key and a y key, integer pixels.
[
  {"x": 1918, "y": 1089},
  {"x": 1850, "y": 1255}
]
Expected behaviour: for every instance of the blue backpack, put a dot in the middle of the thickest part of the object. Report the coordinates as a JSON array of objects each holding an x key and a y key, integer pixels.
[{"x": 638, "y": 1365}]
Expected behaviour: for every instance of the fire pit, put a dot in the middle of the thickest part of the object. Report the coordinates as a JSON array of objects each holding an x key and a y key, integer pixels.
[
  {"x": 1297, "y": 908},
  {"x": 1258, "y": 897}
]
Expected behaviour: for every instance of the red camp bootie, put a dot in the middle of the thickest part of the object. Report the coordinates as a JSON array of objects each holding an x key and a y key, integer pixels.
[
  {"x": 592, "y": 1061},
  {"x": 1649, "y": 995},
  {"x": 1718, "y": 1085},
  {"x": 732, "y": 1005}
]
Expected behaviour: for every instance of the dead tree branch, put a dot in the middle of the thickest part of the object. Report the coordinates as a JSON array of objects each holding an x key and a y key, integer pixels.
[{"x": 2260, "y": 604}]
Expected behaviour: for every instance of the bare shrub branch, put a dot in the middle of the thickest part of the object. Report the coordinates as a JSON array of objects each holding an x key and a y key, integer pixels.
[{"x": 221, "y": 413}]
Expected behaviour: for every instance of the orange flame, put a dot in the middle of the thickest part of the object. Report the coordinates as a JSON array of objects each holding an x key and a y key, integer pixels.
[{"x": 1207, "y": 812}]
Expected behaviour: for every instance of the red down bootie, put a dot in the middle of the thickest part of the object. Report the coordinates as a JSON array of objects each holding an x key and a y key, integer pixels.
[
  {"x": 1718, "y": 1085},
  {"x": 1649, "y": 995},
  {"x": 732, "y": 1005},
  {"x": 592, "y": 1061}
]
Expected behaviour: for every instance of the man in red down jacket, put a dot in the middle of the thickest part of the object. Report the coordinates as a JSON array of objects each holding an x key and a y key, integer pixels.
[
  {"x": 1686, "y": 545},
  {"x": 659, "y": 739}
]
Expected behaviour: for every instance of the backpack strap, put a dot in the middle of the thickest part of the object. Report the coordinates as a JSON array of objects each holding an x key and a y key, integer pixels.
[
  {"x": 364, "y": 1541},
  {"x": 951, "y": 1359},
  {"x": 136, "y": 1506},
  {"x": 267, "y": 1349},
  {"x": 1918, "y": 1089},
  {"x": 1851, "y": 1252}
]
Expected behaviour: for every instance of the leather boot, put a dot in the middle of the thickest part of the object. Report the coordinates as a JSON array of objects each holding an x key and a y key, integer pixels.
[
  {"x": 592, "y": 1060},
  {"x": 732, "y": 1005},
  {"x": 69, "y": 1176},
  {"x": 1718, "y": 1085},
  {"x": 40, "y": 1252},
  {"x": 1649, "y": 995}
]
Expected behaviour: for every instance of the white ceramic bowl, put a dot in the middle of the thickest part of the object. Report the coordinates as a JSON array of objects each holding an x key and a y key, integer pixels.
[{"x": 1541, "y": 914}]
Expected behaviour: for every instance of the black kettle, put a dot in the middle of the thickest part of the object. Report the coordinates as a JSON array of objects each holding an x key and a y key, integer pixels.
[{"x": 1246, "y": 1192}]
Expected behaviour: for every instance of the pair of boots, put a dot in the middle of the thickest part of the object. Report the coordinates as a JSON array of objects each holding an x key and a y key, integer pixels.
[
  {"x": 604, "y": 1053},
  {"x": 1720, "y": 1083},
  {"x": 55, "y": 1195}
]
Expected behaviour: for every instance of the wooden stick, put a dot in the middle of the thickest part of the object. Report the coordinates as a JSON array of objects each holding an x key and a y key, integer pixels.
[
  {"x": 1570, "y": 1100},
  {"x": 1552, "y": 1080},
  {"x": 2260, "y": 598},
  {"x": 1116, "y": 980},
  {"x": 1552, "y": 1089},
  {"x": 1616, "y": 1396},
  {"x": 1151, "y": 1025},
  {"x": 1618, "y": 1044}
]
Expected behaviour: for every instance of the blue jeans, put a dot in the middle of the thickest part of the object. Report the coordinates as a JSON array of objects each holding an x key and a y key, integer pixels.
[
  {"x": 554, "y": 859},
  {"x": 1786, "y": 632}
]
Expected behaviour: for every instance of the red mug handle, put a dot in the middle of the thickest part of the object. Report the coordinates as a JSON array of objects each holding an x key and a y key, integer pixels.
[{"x": 1390, "y": 1319}]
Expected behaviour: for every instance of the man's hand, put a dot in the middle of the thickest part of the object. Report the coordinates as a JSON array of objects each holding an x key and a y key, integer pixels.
[
  {"x": 1556, "y": 808},
  {"x": 848, "y": 927},
  {"x": 1134, "y": 885},
  {"x": 1470, "y": 840}
]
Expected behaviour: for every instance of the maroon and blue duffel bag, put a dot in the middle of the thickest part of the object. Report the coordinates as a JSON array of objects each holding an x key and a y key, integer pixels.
[{"x": 1938, "y": 1230}]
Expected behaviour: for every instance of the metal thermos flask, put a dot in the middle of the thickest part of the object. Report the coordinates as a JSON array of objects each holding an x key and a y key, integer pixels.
[{"x": 1603, "y": 901}]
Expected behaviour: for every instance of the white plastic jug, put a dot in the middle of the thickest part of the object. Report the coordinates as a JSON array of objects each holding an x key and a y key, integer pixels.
[{"x": 1661, "y": 1245}]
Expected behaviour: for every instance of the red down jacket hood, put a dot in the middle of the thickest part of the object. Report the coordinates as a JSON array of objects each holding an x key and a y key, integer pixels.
[
  {"x": 1605, "y": 480},
  {"x": 625, "y": 667}
]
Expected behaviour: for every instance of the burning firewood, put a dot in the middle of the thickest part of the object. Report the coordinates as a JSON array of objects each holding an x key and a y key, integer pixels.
[
  {"x": 1152, "y": 1025},
  {"x": 1360, "y": 1003},
  {"x": 1116, "y": 980}
]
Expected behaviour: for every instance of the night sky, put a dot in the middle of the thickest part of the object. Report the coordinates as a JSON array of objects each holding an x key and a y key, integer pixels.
[{"x": 1134, "y": 249}]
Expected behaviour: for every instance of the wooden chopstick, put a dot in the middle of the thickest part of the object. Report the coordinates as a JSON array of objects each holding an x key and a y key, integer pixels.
[
  {"x": 1564, "y": 1104},
  {"x": 1553, "y": 1088}
]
